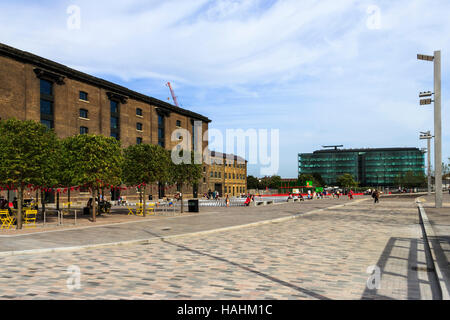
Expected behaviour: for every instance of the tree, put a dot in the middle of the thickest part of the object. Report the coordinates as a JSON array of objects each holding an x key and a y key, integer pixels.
[
  {"x": 66, "y": 176},
  {"x": 275, "y": 182},
  {"x": 303, "y": 178},
  {"x": 318, "y": 180},
  {"x": 346, "y": 181},
  {"x": 95, "y": 161},
  {"x": 411, "y": 179},
  {"x": 145, "y": 164},
  {"x": 252, "y": 182},
  {"x": 27, "y": 153},
  {"x": 185, "y": 173}
]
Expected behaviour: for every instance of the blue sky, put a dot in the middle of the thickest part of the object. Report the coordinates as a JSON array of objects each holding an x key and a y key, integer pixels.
[{"x": 321, "y": 72}]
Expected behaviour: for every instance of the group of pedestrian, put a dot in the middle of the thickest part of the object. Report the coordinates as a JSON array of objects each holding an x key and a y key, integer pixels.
[{"x": 212, "y": 195}]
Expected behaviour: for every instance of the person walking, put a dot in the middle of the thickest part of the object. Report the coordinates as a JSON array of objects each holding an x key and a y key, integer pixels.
[
  {"x": 227, "y": 201},
  {"x": 376, "y": 196}
]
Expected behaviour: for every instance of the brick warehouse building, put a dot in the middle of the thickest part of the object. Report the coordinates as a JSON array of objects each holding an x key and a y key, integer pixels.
[
  {"x": 72, "y": 102},
  {"x": 227, "y": 174}
]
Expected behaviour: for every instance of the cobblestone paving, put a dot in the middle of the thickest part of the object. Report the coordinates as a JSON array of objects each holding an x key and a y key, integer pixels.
[{"x": 319, "y": 256}]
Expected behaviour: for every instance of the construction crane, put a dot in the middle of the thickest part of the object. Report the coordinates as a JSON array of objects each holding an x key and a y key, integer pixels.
[{"x": 173, "y": 94}]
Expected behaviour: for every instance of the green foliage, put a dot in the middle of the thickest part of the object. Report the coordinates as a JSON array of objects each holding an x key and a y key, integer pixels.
[
  {"x": 303, "y": 178},
  {"x": 252, "y": 182},
  {"x": 145, "y": 163},
  {"x": 185, "y": 173},
  {"x": 93, "y": 160},
  {"x": 318, "y": 180},
  {"x": 274, "y": 182},
  {"x": 346, "y": 181},
  {"x": 411, "y": 180},
  {"x": 27, "y": 153}
]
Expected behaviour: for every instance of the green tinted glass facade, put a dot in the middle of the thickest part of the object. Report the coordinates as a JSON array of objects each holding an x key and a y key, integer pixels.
[{"x": 369, "y": 167}]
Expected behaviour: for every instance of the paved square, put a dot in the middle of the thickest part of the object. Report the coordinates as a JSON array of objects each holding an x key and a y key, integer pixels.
[{"x": 322, "y": 255}]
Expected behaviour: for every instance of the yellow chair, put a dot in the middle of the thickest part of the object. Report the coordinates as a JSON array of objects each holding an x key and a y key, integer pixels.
[
  {"x": 6, "y": 219},
  {"x": 151, "y": 208},
  {"x": 30, "y": 218},
  {"x": 130, "y": 211},
  {"x": 139, "y": 209}
]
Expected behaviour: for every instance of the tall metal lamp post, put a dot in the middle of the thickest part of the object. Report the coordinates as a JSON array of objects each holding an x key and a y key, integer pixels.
[
  {"x": 427, "y": 136},
  {"x": 437, "y": 121}
]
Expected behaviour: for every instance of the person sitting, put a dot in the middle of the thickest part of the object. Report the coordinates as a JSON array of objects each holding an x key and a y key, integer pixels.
[{"x": 247, "y": 201}]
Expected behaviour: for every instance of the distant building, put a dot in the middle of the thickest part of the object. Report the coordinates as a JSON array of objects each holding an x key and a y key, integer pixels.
[
  {"x": 227, "y": 174},
  {"x": 370, "y": 167}
]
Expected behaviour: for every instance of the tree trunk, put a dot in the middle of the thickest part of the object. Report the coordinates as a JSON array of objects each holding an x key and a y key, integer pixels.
[
  {"x": 57, "y": 200},
  {"x": 181, "y": 198},
  {"x": 19, "y": 208},
  {"x": 94, "y": 213},
  {"x": 143, "y": 196},
  {"x": 43, "y": 202},
  {"x": 68, "y": 198}
]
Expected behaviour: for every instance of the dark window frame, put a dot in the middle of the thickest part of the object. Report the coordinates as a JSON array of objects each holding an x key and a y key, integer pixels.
[
  {"x": 83, "y": 95},
  {"x": 47, "y": 118},
  {"x": 161, "y": 130},
  {"x": 115, "y": 131},
  {"x": 82, "y": 111},
  {"x": 84, "y": 130}
]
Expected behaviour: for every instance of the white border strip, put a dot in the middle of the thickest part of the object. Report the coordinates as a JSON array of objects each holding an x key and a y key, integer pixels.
[{"x": 443, "y": 281}]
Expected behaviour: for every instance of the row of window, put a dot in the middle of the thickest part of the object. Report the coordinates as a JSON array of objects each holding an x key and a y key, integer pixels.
[
  {"x": 234, "y": 165},
  {"x": 47, "y": 114},
  {"x": 219, "y": 175},
  {"x": 238, "y": 189}
]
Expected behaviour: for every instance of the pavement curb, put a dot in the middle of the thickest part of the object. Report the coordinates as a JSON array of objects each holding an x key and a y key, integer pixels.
[
  {"x": 429, "y": 232},
  {"x": 165, "y": 238}
]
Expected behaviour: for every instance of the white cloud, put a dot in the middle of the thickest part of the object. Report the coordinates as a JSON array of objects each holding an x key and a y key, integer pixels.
[{"x": 291, "y": 64}]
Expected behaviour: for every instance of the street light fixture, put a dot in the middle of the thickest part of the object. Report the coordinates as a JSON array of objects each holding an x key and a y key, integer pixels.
[
  {"x": 427, "y": 136},
  {"x": 437, "y": 121}
]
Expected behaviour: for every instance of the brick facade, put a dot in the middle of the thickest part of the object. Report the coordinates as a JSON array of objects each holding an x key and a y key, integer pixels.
[
  {"x": 227, "y": 174},
  {"x": 20, "y": 78}
]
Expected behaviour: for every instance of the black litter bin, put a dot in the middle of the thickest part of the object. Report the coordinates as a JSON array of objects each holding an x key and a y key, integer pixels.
[
  {"x": 86, "y": 211},
  {"x": 150, "y": 197},
  {"x": 193, "y": 205}
]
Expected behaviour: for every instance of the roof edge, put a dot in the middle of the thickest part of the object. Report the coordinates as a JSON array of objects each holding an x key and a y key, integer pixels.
[{"x": 50, "y": 65}]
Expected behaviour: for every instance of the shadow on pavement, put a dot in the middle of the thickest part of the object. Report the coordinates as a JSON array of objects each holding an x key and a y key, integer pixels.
[
  {"x": 414, "y": 266},
  {"x": 258, "y": 273}
]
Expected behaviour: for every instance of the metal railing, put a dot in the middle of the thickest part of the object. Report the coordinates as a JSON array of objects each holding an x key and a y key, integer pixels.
[{"x": 60, "y": 216}]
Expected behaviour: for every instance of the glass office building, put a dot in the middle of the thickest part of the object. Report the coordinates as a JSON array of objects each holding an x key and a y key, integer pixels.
[{"x": 370, "y": 167}]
